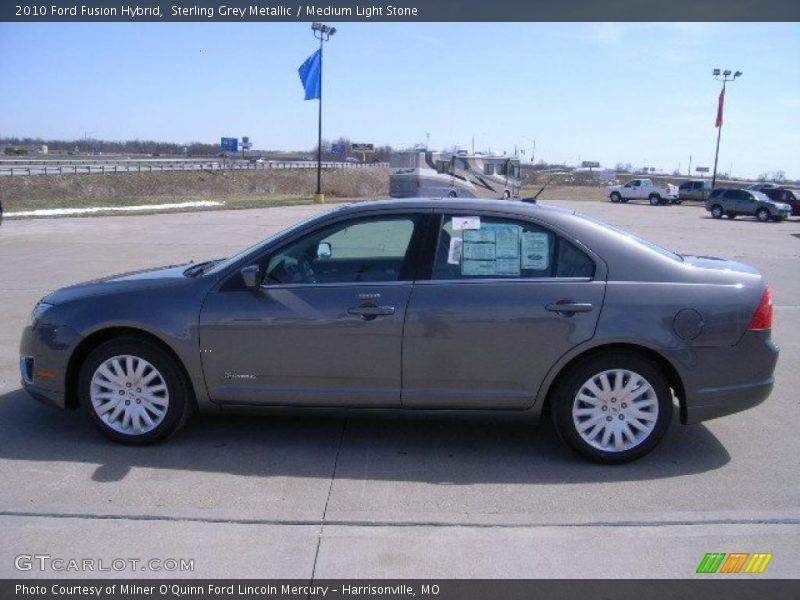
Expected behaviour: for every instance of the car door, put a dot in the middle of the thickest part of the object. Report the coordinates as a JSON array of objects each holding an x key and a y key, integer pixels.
[
  {"x": 697, "y": 190},
  {"x": 506, "y": 298},
  {"x": 631, "y": 189},
  {"x": 745, "y": 203},
  {"x": 325, "y": 326}
]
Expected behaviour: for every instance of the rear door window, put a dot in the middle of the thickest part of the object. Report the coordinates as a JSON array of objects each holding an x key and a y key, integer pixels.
[{"x": 476, "y": 247}]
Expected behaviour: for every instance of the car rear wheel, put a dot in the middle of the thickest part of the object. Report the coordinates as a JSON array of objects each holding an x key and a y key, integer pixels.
[
  {"x": 615, "y": 197},
  {"x": 134, "y": 392},
  {"x": 613, "y": 408},
  {"x": 506, "y": 195},
  {"x": 451, "y": 194},
  {"x": 762, "y": 214},
  {"x": 716, "y": 211},
  {"x": 655, "y": 199}
]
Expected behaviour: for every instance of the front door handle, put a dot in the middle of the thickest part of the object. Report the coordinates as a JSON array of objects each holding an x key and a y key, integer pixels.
[
  {"x": 370, "y": 311},
  {"x": 569, "y": 308}
]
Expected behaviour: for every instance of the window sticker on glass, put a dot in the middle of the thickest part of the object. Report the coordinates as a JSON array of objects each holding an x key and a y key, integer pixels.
[
  {"x": 454, "y": 254},
  {"x": 506, "y": 240},
  {"x": 535, "y": 251},
  {"x": 478, "y": 251},
  {"x": 460, "y": 223},
  {"x": 480, "y": 236},
  {"x": 478, "y": 268},
  {"x": 507, "y": 266}
]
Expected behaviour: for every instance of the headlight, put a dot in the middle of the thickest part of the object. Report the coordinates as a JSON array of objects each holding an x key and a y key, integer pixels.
[{"x": 38, "y": 312}]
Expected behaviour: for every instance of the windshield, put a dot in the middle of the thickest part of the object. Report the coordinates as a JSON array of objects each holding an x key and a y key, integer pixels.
[
  {"x": 635, "y": 238},
  {"x": 223, "y": 264},
  {"x": 760, "y": 196}
]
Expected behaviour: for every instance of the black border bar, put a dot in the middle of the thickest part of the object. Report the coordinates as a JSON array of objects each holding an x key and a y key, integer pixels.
[
  {"x": 398, "y": 10},
  {"x": 707, "y": 588}
]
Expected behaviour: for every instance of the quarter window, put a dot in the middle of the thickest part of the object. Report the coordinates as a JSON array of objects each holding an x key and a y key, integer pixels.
[{"x": 474, "y": 247}]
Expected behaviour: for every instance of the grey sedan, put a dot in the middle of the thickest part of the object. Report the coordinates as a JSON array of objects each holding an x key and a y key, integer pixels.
[{"x": 433, "y": 306}]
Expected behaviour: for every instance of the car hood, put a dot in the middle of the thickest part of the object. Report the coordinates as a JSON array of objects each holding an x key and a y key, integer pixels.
[{"x": 134, "y": 280}]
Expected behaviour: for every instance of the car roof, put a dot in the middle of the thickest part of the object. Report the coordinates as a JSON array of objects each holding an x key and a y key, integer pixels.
[{"x": 460, "y": 204}]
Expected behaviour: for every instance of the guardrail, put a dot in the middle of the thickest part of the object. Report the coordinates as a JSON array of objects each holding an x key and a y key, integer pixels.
[{"x": 160, "y": 167}]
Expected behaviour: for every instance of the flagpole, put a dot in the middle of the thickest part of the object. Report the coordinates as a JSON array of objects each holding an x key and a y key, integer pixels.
[
  {"x": 726, "y": 77},
  {"x": 318, "y": 197},
  {"x": 323, "y": 33},
  {"x": 719, "y": 135}
]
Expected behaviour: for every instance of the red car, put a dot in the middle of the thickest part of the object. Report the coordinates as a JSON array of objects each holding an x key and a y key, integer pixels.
[{"x": 790, "y": 196}]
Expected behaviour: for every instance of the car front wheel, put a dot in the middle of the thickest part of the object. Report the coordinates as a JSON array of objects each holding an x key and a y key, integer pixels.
[
  {"x": 615, "y": 197},
  {"x": 762, "y": 214},
  {"x": 655, "y": 200},
  {"x": 133, "y": 391},
  {"x": 613, "y": 408}
]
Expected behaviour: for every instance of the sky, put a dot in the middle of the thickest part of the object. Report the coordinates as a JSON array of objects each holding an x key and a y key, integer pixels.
[{"x": 639, "y": 93}]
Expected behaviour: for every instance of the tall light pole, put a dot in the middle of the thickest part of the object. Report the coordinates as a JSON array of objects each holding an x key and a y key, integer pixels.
[
  {"x": 323, "y": 33},
  {"x": 533, "y": 146},
  {"x": 725, "y": 78}
]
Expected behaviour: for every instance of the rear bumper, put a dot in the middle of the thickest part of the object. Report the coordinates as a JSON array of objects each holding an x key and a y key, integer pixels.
[
  {"x": 711, "y": 403},
  {"x": 723, "y": 381}
]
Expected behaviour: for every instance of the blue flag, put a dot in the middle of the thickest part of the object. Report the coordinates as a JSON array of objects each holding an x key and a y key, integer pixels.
[{"x": 311, "y": 75}]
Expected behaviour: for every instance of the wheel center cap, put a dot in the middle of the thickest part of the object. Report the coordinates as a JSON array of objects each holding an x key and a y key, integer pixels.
[{"x": 614, "y": 409}]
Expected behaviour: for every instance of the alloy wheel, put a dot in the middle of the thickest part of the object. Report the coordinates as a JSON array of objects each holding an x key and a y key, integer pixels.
[
  {"x": 615, "y": 410},
  {"x": 129, "y": 394}
]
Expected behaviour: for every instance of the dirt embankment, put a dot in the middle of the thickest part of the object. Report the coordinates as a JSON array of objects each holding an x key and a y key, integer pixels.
[{"x": 350, "y": 183}]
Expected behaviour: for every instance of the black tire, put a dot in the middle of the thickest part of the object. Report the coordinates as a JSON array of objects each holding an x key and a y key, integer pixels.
[
  {"x": 178, "y": 389},
  {"x": 506, "y": 195},
  {"x": 716, "y": 211},
  {"x": 731, "y": 215},
  {"x": 655, "y": 199},
  {"x": 762, "y": 214},
  {"x": 564, "y": 398},
  {"x": 615, "y": 197},
  {"x": 678, "y": 201},
  {"x": 452, "y": 194}
]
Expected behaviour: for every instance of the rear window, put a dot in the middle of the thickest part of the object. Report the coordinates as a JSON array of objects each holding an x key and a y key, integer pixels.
[{"x": 646, "y": 243}]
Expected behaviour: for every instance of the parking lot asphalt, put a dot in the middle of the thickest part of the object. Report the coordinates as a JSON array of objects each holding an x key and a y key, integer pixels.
[{"x": 333, "y": 497}]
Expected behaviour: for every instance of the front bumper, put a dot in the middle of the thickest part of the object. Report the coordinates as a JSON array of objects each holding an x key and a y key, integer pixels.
[{"x": 44, "y": 358}]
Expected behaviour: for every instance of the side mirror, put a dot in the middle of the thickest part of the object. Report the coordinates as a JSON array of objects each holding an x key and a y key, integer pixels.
[
  {"x": 251, "y": 275},
  {"x": 324, "y": 250}
]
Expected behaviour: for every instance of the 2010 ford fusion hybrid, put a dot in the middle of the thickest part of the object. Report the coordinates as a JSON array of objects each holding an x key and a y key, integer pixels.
[{"x": 463, "y": 306}]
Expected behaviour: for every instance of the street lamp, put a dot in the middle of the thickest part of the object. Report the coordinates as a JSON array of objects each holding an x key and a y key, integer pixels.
[
  {"x": 725, "y": 78},
  {"x": 323, "y": 33}
]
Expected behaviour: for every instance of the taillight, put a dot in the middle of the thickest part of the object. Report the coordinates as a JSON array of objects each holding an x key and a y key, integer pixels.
[{"x": 762, "y": 319}]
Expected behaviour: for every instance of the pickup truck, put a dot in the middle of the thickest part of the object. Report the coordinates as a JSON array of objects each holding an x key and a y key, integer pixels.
[
  {"x": 644, "y": 189},
  {"x": 694, "y": 190}
]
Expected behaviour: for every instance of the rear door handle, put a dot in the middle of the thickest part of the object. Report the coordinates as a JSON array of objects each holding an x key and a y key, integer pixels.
[
  {"x": 569, "y": 308},
  {"x": 371, "y": 311}
]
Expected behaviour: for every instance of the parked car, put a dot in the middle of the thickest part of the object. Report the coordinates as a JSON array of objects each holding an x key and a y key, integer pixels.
[
  {"x": 694, "y": 190},
  {"x": 644, "y": 189},
  {"x": 760, "y": 187},
  {"x": 471, "y": 306},
  {"x": 786, "y": 195},
  {"x": 734, "y": 202}
]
